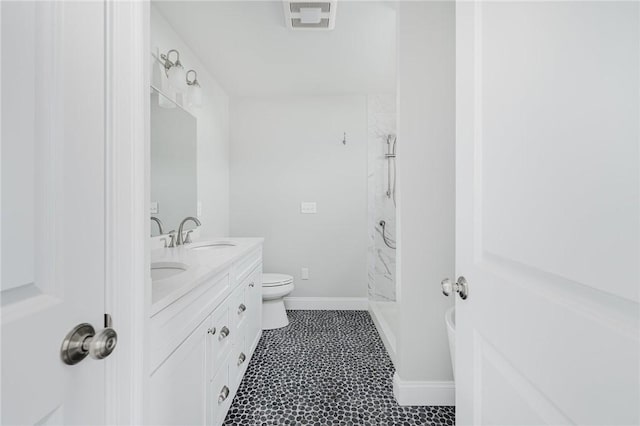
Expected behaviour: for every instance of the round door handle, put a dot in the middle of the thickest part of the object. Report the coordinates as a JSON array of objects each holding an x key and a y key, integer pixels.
[
  {"x": 447, "y": 287},
  {"x": 103, "y": 343},
  {"x": 241, "y": 308},
  {"x": 83, "y": 341},
  {"x": 461, "y": 287},
  {"x": 212, "y": 331}
]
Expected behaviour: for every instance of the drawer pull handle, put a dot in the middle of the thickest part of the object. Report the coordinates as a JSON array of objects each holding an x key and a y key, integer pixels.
[
  {"x": 224, "y": 394},
  {"x": 251, "y": 284},
  {"x": 212, "y": 331},
  {"x": 241, "y": 308},
  {"x": 241, "y": 358},
  {"x": 224, "y": 332}
]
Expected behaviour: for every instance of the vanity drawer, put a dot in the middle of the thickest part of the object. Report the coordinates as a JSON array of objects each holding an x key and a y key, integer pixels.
[
  {"x": 246, "y": 265},
  {"x": 221, "y": 395},
  {"x": 221, "y": 337},
  {"x": 170, "y": 326}
]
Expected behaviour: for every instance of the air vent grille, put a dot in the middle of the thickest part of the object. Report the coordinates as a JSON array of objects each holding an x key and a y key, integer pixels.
[
  {"x": 310, "y": 15},
  {"x": 325, "y": 7},
  {"x": 297, "y": 23}
]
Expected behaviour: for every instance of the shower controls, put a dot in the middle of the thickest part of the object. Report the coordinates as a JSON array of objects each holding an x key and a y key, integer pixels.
[{"x": 390, "y": 156}]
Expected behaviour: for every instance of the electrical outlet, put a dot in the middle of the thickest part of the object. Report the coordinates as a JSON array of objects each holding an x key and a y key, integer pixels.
[
  {"x": 304, "y": 273},
  {"x": 308, "y": 207},
  {"x": 199, "y": 209}
]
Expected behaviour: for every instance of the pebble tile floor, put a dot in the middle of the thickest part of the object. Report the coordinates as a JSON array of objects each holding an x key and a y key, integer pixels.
[{"x": 325, "y": 368}]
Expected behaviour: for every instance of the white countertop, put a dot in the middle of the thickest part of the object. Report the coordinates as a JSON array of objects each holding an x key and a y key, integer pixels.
[{"x": 202, "y": 265}]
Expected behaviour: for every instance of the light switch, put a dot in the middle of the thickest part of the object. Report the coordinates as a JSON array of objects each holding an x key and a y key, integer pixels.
[
  {"x": 308, "y": 207},
  {"x": 199, "y": 209},
  {"x": 154, "y": 208},
  {"x": 304, "y": 273}
]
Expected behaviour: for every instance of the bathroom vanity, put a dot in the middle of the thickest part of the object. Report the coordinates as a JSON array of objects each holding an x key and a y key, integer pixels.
[{"x": 204, "y": 328}]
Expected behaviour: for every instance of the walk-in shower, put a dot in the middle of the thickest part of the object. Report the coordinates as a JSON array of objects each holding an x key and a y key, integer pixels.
[{"x": 382, "y": 143}]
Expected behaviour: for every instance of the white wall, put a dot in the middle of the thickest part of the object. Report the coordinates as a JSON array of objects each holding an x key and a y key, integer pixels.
[
  {"x": 287, "y": 150},
  {"x": 426, "y": 186},
  {"x": 213, "y": 130}
]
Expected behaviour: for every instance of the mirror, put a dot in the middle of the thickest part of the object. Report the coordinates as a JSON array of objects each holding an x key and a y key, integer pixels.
[{"x": 173, "y": 163}]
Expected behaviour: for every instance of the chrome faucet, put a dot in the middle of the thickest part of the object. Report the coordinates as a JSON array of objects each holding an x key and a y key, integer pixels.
[
  {"x": 160, "y": 224},
  {"x": 186, "y": 240}
]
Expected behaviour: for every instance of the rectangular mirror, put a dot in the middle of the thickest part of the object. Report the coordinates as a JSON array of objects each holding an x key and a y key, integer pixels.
[{"x": 174, "y": 178}]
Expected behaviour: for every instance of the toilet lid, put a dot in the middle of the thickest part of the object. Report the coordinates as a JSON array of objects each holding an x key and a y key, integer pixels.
[{"x": 273, "y": 280}]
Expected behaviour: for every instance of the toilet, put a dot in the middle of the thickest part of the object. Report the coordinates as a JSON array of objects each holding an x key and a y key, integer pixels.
[{"x": 274, "y": 288}]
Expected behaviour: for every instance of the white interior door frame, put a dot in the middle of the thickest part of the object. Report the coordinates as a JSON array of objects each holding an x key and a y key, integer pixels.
[{"x": 127, "y": 262}]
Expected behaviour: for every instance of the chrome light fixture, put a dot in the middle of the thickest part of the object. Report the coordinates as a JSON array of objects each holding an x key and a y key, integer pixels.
[
  {"x": 174, "y": 71},
  {"x": 194, "y": 91}
]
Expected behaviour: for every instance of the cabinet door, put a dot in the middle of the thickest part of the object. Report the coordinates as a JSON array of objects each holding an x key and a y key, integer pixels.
[
  {"x": 221, "y": 394},
  {"x": 178, "y": 394},
  {"x": 253, "y": 298}
]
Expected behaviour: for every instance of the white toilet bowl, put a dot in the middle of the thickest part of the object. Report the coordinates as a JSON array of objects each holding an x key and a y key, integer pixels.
[{"x": 274, "y": 288}]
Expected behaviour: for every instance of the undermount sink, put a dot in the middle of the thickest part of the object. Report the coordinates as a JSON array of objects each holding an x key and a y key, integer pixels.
[
  {"x": 212, "y": 246},
  {"x": 163, "y": 270}
]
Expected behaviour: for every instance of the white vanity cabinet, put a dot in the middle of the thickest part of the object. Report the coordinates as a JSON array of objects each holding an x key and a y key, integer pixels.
[
  {"x": 202, "y": 344},
  {"x": 179, "y": 387}
]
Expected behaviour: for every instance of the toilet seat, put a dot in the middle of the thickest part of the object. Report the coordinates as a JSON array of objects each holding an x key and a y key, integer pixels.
[{"x": 276, "y": 280}]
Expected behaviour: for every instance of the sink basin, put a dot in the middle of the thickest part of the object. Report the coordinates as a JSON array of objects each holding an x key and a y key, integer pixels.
[
  {"x": 212, "y": 246},
  {"x": 163, "y": 270}
]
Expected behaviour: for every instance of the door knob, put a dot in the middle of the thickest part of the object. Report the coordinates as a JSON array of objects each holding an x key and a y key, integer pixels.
[
  {"x": 461, "y": 287},
  {"x": 83, "y": 341},
  {"x": 447, "y": 287}
]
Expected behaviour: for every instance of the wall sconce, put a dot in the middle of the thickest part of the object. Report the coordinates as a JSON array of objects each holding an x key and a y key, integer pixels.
[
  {"x": 194, "y": 91},
  {"x": 175, "y": 71}
]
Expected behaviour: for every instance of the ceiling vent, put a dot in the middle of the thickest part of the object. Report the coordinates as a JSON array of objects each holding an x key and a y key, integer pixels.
[{"x": 310, "y": 15}]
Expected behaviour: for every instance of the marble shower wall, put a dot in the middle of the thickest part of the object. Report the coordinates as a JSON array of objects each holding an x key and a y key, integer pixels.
[{"x": 381, "y": 117}]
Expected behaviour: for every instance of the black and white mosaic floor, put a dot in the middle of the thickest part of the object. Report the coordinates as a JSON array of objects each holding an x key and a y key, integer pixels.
[{"x": 325, "y": 368}]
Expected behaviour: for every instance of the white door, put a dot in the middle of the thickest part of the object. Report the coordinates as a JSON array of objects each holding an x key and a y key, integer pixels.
[
  {"x": 548, "y": 212},
  {"x": 53, "y": 208}
]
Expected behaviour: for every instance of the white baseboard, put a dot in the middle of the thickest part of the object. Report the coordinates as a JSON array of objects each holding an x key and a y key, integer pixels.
[
  {"x": 384, "y": 331},
  {"x": 327, "y": 303},
  {"x": 409, "y": 392}
]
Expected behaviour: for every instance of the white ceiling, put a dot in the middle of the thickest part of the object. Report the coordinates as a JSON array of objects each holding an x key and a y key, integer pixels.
[{"x": 246, "y": 46}]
